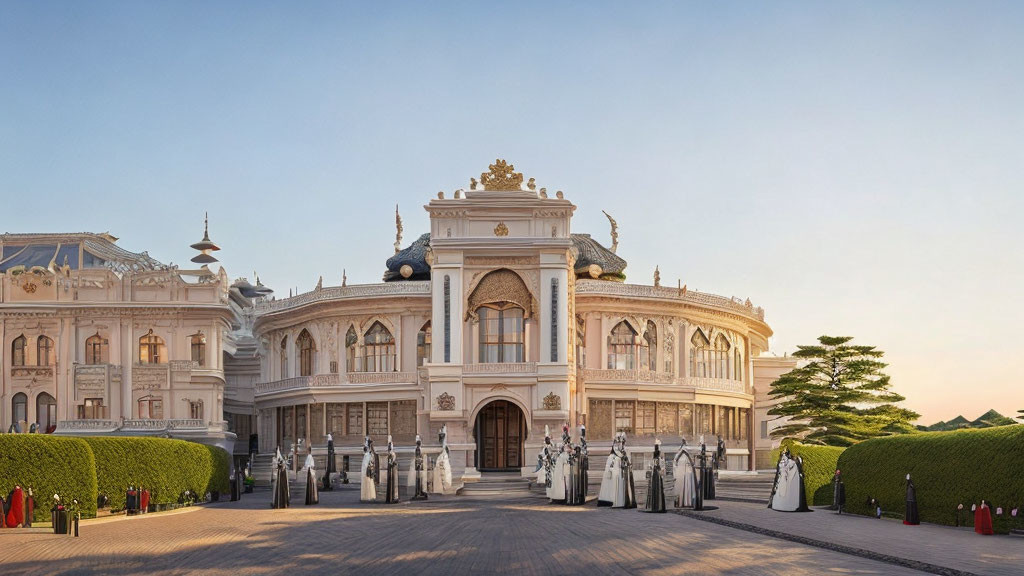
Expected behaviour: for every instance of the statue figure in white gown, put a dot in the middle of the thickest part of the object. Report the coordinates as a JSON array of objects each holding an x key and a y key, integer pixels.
[
  {"x": 610, "y": 477},
  {"x": 685, "y": 475},
  {"x": 560, "y": 474},
  {"x": 367, "y": 472},
  {"x": 443, "y": 466},
  {"x": 546, "y": 460},
  {"x": 786, "y": 497}
]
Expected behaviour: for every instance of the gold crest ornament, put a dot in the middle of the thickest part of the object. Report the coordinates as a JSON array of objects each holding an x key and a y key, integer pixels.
[
  {"x": 502, "y": 177},
  {"x": 501, "y": 229}
]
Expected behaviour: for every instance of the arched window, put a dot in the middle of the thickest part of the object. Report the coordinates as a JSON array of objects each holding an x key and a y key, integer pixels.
[
  {"x": 44, "y": 351},
  {"x": 19, "y": 408},
  {"x": 622, "y": 347},
  {"x": 423, "y": 345},
  {"x": 152, "y": 349},
  {"x": 378, "y": 350},
  {"x": 720, "y": 357},
  {"x": 18, "y": 351},
  {"x": 197, "y": 343},
  {"x": 284, "y": 357},
  {"x": 151, "y": 407},
  {"x": 649, "y": 347},
  {"x": 306, "y": 350},
  {"x": 501, "y": 333},
  {"x": 738, "y": 370},
  {"x": 46, "y": 412},
  {"x": 351, "y": 339},
  {"x": 195, "y": 408},
  {"x": 699, "y": 355},
  {"x": 97, "y": 350},
  {"x": 581, "y": 342}
]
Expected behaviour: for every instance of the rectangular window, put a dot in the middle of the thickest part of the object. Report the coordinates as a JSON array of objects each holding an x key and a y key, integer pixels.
[
  {"x": 744, "y": 415},
  {"x": 403, "y": 420},
  {"x": 668, "y": 419},
  {"x": 287, "y": 426},
  {"x": 300, "y": 422},
  {"x": 354, "y": 428},
  {"x": 624, "y": 416},
  {"x": 702, "y": 420},
  {"x": 600, "y": 420},
  {"x": 686, "y": 421},
  {"x": 316, "y": 425},
  {"x": 336, "y": 419},
  {"x": 377, "y": 420},
  {"x": 92, "y": 409},
  {"x": 764, "y": 429},
  {"x": 645, "y": 418}
]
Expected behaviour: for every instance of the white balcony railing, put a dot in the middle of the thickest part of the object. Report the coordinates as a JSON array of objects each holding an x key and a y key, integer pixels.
[
  {"x": 381, "y": 377},
  {"x": 649, "y": 377},
  {"x": 298, "y": 383},
  {"x": 501, "y": 368}
]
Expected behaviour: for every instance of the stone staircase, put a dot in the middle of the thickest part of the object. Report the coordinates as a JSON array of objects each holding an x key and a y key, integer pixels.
[
  {"x": 745, "y": 487},
  {"x": 497, "y": 485}
]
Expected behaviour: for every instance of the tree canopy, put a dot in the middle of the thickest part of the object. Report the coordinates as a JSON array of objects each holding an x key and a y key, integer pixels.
[{"x": 838, "y": 396}]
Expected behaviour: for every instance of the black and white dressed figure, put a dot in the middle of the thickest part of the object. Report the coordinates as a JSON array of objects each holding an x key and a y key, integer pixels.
[
  {"x": 838, "y": 492},
  {"x": 560, "y": 474},
  {"x": 418, "y": 473},
  {"x": 391, "y": 487},
  {"x": 611, "y": 477},
  {"x": 443, "y": 466},
  {"x": 911, "y": 517},
  {"x": 656, "y": 486},
  {"x": 312, "y": 494},
  {"x": 331, "y": 466},
  {"x": 282, "y": 493},
  {"x": 583, "y": 464},
  {"x": 547, "y": 462},
  {"x": 685, "y": 475},
  {"x": 802, "y": 504},
  {"x": 367, "y": 487},
  {"x": 628, "y": 485},
  {"x": 788, "y": 492}
]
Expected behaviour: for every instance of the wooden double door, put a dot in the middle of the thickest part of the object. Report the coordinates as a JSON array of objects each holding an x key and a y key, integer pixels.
[{"x": 500, "y": 428}]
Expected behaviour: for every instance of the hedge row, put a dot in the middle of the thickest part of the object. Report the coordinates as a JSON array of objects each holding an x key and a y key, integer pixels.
[
  {"x": 165, "y": 467},
  {"x": 83, "y": 468},
  {"x": 819, "y": 468},
  {"x": 948, "y": 469},
  {"x": 49, "y": 465}
]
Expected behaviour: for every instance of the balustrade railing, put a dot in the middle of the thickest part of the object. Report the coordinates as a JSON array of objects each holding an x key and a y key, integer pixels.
[
  {"x": 501, "y": 368},
  {"x": 649, "y": 376},
  {"x": 315, "y": 381}
]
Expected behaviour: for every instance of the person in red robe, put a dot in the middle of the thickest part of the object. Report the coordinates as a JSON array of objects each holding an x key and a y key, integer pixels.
[
  {"x": 983, "y": 520},
  {"x": 144, "y": 502},
  {"x": 16, "y": 515}
]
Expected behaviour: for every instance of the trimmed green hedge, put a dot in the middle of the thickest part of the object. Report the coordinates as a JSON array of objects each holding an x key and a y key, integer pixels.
[
  {"x": 819, "y": 468},
  {"x": 948, "y": 468},
  {"x": 49, "y": 465},
  {"x": 163, "y": 466}
]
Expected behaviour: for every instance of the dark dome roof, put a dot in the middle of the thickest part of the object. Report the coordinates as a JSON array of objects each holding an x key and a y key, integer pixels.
[
  {"x": 590, "y": 251},
  {"x": 415, "y": 256}
]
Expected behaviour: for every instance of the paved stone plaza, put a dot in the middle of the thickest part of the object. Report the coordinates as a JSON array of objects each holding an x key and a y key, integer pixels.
[{"x": 451, "y": 536}]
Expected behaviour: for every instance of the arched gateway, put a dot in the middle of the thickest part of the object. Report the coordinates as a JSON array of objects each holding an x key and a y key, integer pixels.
[{"x": 500, "y": 429}]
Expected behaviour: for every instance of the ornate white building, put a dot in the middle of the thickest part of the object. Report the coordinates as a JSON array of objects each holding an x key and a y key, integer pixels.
[{"x": 497, "y": 322}]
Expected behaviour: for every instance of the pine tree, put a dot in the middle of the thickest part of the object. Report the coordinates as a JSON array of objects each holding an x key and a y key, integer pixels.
[{"x": 839, "y": 396}]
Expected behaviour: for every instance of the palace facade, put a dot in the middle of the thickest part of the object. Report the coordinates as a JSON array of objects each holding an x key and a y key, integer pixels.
[{"x": 498, "y": 322}]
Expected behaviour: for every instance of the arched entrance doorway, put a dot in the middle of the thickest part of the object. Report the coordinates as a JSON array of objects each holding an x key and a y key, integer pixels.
[{"x": 500, "y": 428}]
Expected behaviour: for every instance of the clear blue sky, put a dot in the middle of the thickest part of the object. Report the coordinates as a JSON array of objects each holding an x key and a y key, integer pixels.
[{"x": 855, "y": 169}]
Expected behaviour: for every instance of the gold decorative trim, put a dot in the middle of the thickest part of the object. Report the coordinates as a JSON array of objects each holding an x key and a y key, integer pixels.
[
  {"x": 446, "y": 402},
  {"x": 552, "y": 401},
  {"x": 502, "y": 177},
  {"x": 501, "y": 229}
]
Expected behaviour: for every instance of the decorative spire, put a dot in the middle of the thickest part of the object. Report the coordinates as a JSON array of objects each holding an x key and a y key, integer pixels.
[
  {"x": 344, "y": 278},
  {"x": 398, "y": 230},
  {"x": 320, "y": 283},
  {"x": 205, "y": 246},
  {"x": 615, "y": 231},
  {"x": 657, "y": 277}
]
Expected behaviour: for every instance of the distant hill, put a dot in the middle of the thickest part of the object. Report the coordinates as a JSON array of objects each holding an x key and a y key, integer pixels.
[{"x": 989, "y": 419}]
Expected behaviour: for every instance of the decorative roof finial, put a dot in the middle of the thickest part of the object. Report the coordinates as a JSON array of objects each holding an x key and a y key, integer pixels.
[
  {"x": 344, "y": 278},
  {"x": 615, "y": 231},
  {"x": 398, "y": 230},
  {"x": 320, "y": 283},
  {"x": 657, "y": 277},
  {"x": 502, "y": 176},
  {"x": 205, "y": 246},
  {"x": 472, "y": 183},
  {"x": 531, "y": 184}
]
